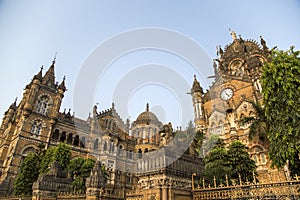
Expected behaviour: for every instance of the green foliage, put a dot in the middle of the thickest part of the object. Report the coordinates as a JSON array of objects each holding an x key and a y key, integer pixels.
[
  {"x": 27, "y": 175},
  {"x": 62, "y": 154},
  {"x": 29, "y": 172},
  {"x": 259, "y": 123},
  {"x": 81, "y": 169},
  {"x": 241, "y": 162},
  {"x": 46, "y": 160},
  {"x": 38, "y": 163},
  {"x": 198, "y": 141},
  {"x": 281, "y": 90},
  {"x": 217, "y": 166},
  {"x": 232, "y": 162}
]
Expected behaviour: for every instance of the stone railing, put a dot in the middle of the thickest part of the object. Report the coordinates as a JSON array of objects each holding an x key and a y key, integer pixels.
[{"x": 275, "y": 190}]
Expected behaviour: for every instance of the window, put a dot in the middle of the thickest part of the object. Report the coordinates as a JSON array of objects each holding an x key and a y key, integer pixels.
[
  {"x": 55, "y": 135},
  {"x": 255, "y": 158},
  {"x": 263, "y": 158},
  {"x": 96, "y": 144},
  {"x": 43, "y": 105},
  {"x": 36, "y": 128}
]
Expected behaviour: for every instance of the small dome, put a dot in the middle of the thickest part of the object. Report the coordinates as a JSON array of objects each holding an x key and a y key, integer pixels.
[{"x": 147, "y": 117}]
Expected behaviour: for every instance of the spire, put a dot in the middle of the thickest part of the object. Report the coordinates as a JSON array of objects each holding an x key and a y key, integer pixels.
[
  {"x": 14, "y": 104},
  {"x": 62, "y": 85},
  {"x": 196, "y": 86},
  {"x": 147, "y": 107},
  {"x": 113, "y": 105},
  {"x": 49, "y": 77},
  {"x": 39, "y": 75}
]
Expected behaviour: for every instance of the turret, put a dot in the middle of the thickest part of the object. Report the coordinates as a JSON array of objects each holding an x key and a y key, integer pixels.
[
  {"x": 31, "y": 92},
  {"x": 197, "y": 92},
  {"x": 9, "y": 115},
  {"x": 61, "y": 89}
]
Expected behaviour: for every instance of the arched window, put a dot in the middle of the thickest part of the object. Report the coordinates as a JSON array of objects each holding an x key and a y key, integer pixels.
[
  {"x": 70, "y": 138},
  {"x": 255, "y": 158},
  {"x": 263, "y": 158},
  {"x": 43, "y": 105},
  {"x": 55, "y": 135},
  {"x": 27, "y": 151},
  {"x": 36, "y": 128},
  {"x": 111, "y": 124},
  {"x": 120, "y": 149},
  {"x": 115, "y": 126},
  {"x": 105, "y": 146},
  {"x": 112, "y": 147},
  {"x": 96, "y": 144},
  {"x": 63, "y": 137},
  {"x": 82, "y": 142},
  {"x": 106, "y": 123},
  {"x": 76, "y": 140}
]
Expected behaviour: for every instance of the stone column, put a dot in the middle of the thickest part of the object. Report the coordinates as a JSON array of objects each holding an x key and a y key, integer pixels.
[{"x": 164, "y": 193}]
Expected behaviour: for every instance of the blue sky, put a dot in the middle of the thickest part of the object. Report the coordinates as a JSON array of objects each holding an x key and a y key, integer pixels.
[{"x": 32, "y": 31}]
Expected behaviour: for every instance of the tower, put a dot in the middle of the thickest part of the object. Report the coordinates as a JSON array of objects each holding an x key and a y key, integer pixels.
[
  {"x": 197, "y": 93},
  {"x": 29, "y": 124},
  {"x": 229, "y": 99}
]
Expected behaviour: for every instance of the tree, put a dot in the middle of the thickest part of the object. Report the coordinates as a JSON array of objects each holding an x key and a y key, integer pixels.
[
  {"x": 29, "y": 172},
  {"x": 281, "y": 92},
  {"x": 61, "y": 153},
  {"x": 197, "y": 142},
  {"x": 38, "y": 163},
  {"x": 259, "y": 124},
  {"x": 81, "y": 169},
  {"x": 216, "y": 166},
  {"x": 240, "y": 162},
  {"x": 46, "y": 160},
  {"x": 27, "y": 175}
]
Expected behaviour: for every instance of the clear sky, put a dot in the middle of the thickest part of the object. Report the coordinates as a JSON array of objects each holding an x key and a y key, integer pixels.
[{"x": 32, "y": 31}]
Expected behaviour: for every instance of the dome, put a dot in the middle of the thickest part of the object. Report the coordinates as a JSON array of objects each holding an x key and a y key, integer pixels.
[{"x": 147, "y": 117}]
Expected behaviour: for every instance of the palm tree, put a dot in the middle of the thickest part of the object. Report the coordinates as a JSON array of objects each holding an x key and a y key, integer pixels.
[{"x": 259, "y": 123}]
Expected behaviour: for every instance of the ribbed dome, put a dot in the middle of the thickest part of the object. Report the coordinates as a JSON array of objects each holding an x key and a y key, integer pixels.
[{"x": 147, "y": 117}]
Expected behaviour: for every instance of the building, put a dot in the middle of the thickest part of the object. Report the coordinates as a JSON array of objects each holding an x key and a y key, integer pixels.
[
  {"x": 139, "y": 155},
  {"x": 127, "y": 150}
]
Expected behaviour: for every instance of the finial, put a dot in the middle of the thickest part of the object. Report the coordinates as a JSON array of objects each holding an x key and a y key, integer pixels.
[
  {"x": 54, "y": 59},
  {"x": 42, "y": 67},
  {"x": 147, "y": 107},
  {"x": 16, "y": 99},
  {"x": 113, "y": 105},
  {"x": 64, "y": 78},
  {"x": 195, "y": 77},
  {"x": 233, "y": 34}
]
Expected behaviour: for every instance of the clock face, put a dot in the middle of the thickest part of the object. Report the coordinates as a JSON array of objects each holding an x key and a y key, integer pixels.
[{"x": 226, "y": 94}]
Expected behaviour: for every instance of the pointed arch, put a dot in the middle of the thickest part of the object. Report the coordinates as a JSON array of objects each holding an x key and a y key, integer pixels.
[{"x": 43, "y": 104}]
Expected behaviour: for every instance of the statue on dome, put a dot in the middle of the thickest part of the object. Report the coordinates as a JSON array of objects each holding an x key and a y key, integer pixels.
[
  {"x": 263, "y": 43},
  {"x": 233, "y": 34}
]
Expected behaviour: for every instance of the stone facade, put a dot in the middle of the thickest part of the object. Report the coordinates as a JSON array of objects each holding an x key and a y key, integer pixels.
[
  {"x": 128, "y": 150},
  {"x": 137, "y": 156},
  {"x": 236, "y": 85}
]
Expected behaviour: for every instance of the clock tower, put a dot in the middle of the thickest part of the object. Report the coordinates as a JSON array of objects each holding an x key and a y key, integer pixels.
[{"x": 236, "y": 86}]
